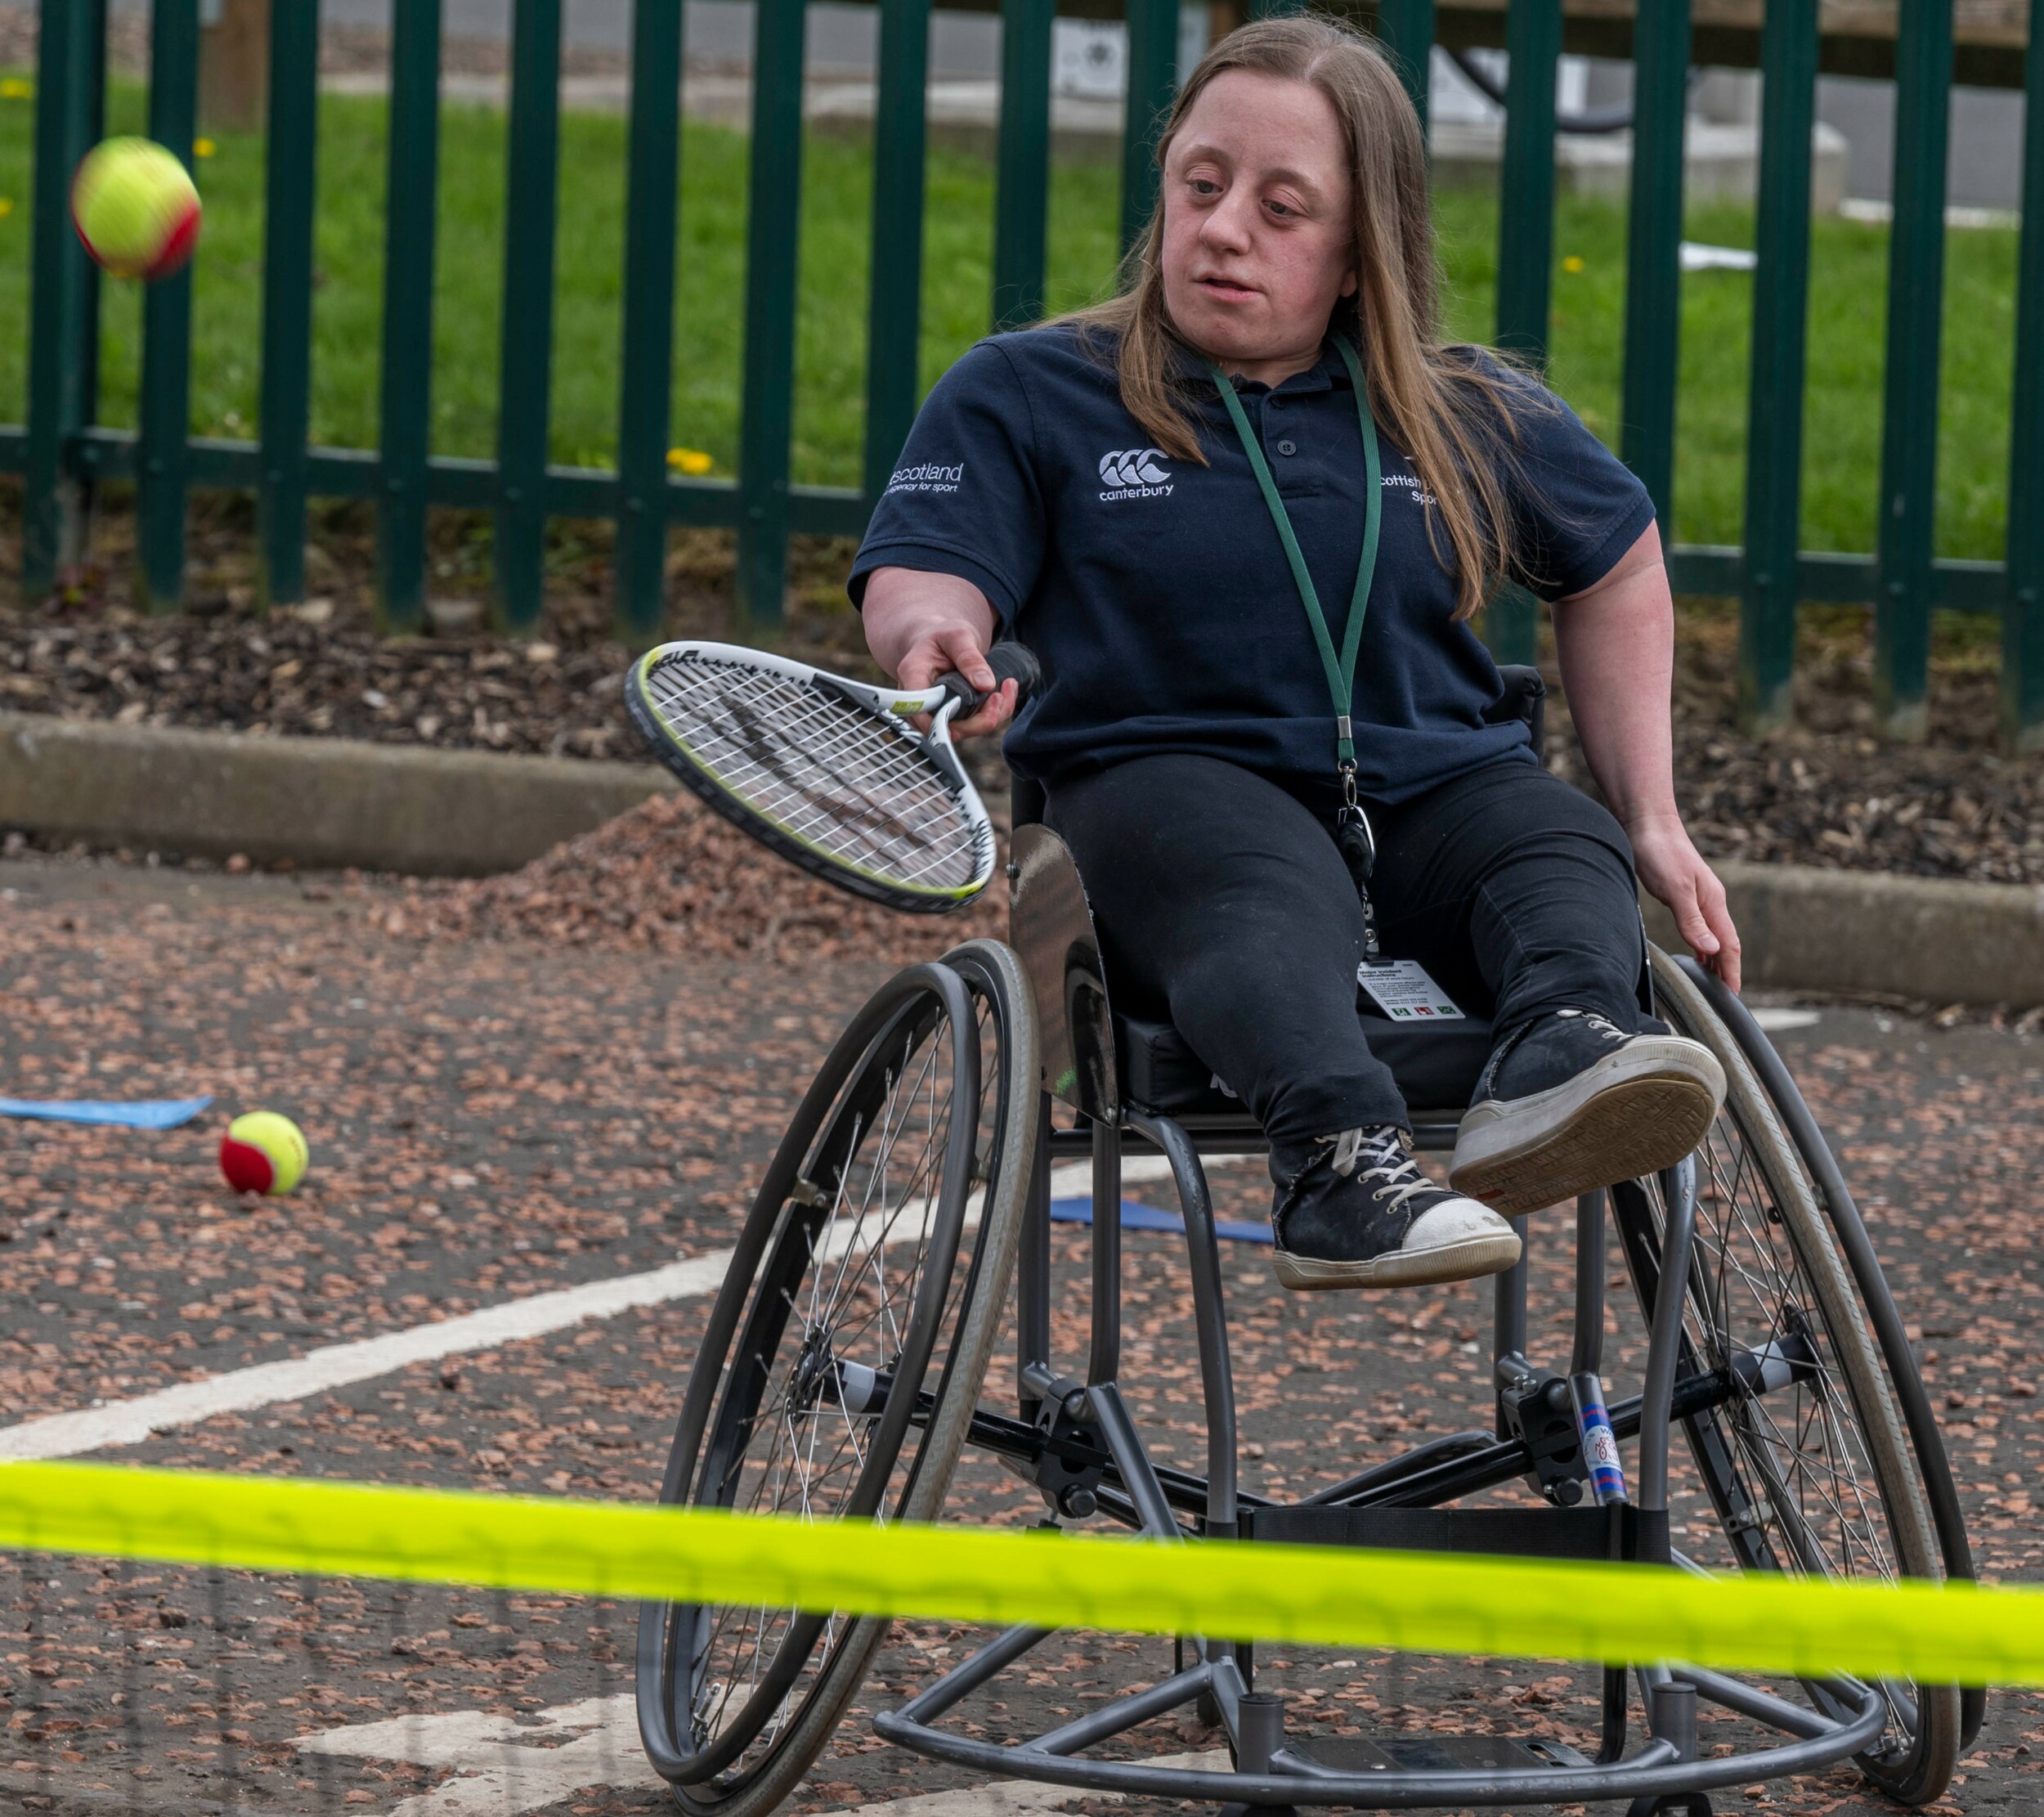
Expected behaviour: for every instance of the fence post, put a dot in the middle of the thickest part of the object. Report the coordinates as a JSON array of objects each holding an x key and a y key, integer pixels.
[
  {"x": 773, "y": 229},
  {"x": 1909, "y": 422},
  {"x": 2022, "y": 613},
  {"x": 1405, "y": 27},
  {"x": 410, "y": 214},
  {"x": 1774, "y": 408},
  {"x": 62, "y": 321},
  {"x": 1022, "y": 193},
  {"x": 894, "y": 334},
  {"x": 94, "y": 47},
  {"x": 164, "y": 464},
  {"x": 525, "y": 354},
  {"x": 1525, "y": 210},
  {"x": 1153, "y": 55},
  {"x": 1653, "y": 252},
  {"x": 290, "y": 198},
  {"x": 1526, "y": 251},
  {"x": 645, "y": 411}
]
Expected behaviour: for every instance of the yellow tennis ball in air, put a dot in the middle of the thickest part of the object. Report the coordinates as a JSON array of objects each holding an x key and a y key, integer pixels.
[
  {"x": 136, "y": 208},
  {"x": 263, "y": 1152}
]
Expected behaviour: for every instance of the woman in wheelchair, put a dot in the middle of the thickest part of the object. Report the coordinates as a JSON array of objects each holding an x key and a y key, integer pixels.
[{"x": 1243, "y": 514}]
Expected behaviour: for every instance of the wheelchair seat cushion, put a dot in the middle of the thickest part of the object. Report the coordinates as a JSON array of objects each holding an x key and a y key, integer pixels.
[{"x": 1436, "y": 1064}]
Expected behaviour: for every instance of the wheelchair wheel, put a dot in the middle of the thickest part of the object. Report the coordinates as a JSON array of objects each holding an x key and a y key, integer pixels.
[
  {"x": 844, "y": 1356},
  {"x": 1809, "y": 1466}
]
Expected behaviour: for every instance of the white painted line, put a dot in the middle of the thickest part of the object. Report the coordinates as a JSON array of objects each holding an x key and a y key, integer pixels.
[
  {"x": 1077, "y": 1177},
  {"x": 999, "y": 1798},
  {"x": 341, "y": 1365},
  {"x": 506, "y": 1768}
]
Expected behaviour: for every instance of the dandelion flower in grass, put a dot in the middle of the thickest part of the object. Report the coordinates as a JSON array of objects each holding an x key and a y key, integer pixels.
[
  {"x": 691, "y": 461},
  {"x": 6, "y": 206},
  {"x": 203, "y": 148},
  {"x": 17, "y": 88},
  {"x": 1572, "y": 264}
]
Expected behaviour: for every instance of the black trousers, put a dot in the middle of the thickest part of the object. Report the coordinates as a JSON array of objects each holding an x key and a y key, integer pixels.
[{"x": 1222, "y": 902}]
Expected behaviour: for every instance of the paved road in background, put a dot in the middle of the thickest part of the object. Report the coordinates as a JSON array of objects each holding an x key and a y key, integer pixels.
[
  {"x": 840, "y": 38},
  {"x": 1986, "y": 124},
  {"x": 493, "y": 1124}
]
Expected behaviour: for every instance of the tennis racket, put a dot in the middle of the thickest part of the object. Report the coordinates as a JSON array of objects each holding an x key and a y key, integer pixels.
[{"x": 830, "y": 773}]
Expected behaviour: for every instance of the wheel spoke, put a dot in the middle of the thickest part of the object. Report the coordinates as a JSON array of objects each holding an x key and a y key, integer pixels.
[
  {"x": 1800, "y": 1469},
  {"x": 848, "y": 1295}
]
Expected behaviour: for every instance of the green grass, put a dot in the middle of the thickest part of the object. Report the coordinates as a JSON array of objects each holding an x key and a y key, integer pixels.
[
  {"x": 1846, "y": 349},
  {"x": 1848, "y": 289}
]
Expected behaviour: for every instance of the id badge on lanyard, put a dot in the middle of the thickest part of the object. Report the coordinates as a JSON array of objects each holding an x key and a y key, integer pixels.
[{"x": 1352, "y": 834}]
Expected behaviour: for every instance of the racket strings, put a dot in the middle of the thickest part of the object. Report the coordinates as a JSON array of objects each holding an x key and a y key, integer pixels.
[{"x": 838, "y": 777}]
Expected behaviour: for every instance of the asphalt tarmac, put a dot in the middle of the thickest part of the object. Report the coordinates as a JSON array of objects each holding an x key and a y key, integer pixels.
[{"x": 493, "y": 1122}]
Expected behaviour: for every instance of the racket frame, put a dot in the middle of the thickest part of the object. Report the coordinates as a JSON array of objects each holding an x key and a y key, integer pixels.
[{"x": 898, "y": 705}]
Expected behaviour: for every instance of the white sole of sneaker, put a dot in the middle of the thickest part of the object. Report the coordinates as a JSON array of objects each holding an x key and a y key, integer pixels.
[
  {"x": 1468, "y": 1259},
  {"x": 1629, "y": 1116}
]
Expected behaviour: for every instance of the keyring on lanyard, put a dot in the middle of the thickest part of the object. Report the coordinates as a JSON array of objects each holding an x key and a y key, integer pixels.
[{"x": 1352, "y": 834}]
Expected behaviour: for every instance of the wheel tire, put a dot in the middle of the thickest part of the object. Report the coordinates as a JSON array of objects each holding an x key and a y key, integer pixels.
[
  {"x": 1765, "y": 1260},
  {"x": 876, "y": 1106}
]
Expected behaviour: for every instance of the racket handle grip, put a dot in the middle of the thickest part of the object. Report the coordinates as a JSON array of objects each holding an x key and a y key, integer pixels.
[{"x": 1010, "y": 661}]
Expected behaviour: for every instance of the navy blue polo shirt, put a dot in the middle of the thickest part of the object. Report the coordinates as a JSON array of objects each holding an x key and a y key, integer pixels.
[{"x": 1155, "y": 591}]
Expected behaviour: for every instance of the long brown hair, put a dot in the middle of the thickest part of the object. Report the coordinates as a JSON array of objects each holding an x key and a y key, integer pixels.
[{"x": 1452, "y": 416}]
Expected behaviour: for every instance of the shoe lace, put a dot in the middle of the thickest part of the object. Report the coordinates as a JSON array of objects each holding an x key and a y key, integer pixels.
[
  {"x": 1603, "y": 1025},
  {"x": 1382, "y": 1156}
]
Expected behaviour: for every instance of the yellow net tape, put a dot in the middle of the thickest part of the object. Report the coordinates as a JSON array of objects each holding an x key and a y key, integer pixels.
[{"x": 1325, "y": 1596}]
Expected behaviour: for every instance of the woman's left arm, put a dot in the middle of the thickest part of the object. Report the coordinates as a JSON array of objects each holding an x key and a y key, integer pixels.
[{"x": 1617, "y": 641}]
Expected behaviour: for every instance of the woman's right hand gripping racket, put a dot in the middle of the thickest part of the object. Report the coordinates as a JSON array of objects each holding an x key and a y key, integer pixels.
[{"x": 830, "y": 773}]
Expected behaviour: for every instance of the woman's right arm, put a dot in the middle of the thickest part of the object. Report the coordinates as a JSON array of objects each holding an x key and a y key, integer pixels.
[{"x": 921, "y": 624}]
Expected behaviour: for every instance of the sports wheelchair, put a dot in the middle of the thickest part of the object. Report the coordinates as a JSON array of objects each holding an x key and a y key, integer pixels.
[{"x": 841, "y": 1372}]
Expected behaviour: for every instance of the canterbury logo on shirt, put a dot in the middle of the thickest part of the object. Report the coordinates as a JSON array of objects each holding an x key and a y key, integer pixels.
[{"x": 1133, "y": 472}]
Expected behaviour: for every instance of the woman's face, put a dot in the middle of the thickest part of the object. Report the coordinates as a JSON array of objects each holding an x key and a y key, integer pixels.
[{"x": 1258, "y": 245}]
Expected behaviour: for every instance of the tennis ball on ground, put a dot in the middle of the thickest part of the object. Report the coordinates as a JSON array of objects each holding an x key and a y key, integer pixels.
[
  {"x": 263, "y": 1152},
  {"x": 136, "y": 208}
]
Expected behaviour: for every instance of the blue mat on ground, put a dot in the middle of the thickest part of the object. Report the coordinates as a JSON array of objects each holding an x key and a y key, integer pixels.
[
  {"x": 1136, "y": 1217},
  {"x": 162, "y": 1113}
]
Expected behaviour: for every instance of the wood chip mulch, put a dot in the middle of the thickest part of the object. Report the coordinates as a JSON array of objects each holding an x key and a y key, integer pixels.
[
  {"x": 1828, "y": 791},
  {"x": 671, "y": 878}
]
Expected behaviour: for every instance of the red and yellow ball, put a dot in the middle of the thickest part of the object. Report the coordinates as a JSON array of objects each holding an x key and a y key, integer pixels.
[
  {"x": 263, "y": 1152},
  {"x": 136, "y": 208}
]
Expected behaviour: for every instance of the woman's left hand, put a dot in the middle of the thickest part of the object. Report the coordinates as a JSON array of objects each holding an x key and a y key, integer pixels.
[
  {"x": 1674, "y": 871},
  {"x": 1616, "y": 643}
]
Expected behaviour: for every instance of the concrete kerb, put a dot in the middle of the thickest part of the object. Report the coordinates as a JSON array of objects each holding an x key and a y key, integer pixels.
[
  {"x": 1927, "y": 939},
  {"x": 329, "y": 802},
  {"x": 320, "y": 802}
]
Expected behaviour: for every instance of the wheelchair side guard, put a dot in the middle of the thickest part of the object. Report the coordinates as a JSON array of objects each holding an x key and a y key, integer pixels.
[{"x": 1050, "y": 927}]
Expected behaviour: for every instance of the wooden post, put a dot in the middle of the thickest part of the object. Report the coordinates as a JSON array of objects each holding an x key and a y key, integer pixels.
[{"x": 234, "y": 65}]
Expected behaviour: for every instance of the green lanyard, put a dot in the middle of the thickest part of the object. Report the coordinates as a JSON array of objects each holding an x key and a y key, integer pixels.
[{"x": 1341, "y": 669}]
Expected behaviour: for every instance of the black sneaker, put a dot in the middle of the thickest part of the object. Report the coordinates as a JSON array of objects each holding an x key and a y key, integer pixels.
[
  {"x": 1359, "y": 1212},
  {"x": 1573, "y": 1103}
]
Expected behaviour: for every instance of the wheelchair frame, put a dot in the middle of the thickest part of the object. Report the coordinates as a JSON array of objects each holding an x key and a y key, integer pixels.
[{"x": 1078, "y": 1440}]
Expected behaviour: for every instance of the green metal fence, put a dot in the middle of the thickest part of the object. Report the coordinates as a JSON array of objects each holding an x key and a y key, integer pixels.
[{"x": 61, "y": 450}]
